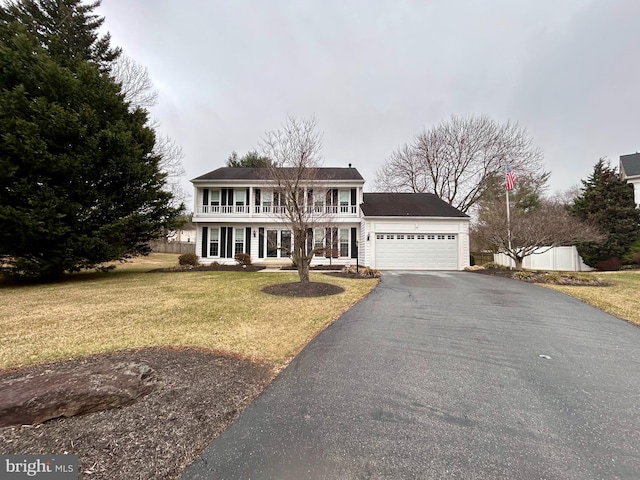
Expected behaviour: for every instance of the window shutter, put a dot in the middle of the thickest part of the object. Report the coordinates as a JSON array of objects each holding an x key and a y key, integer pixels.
[
  {"x": 205, "y": 241},
  {"x": 229, "y": 242},
  {"x": 223, "y": 241},
  {"x": 353, "y": 196},
  {"x": 354, "y": 244},
  {"x": 261, "y": 242},
  {"x": 205, "y": 197},
  {"x": 247, "y": 241}
]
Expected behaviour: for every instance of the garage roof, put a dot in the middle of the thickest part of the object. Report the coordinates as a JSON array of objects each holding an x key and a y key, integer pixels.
[{"x": 407, "y": 205}]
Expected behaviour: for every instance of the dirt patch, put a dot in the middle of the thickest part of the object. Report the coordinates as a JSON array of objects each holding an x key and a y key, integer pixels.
[
  {"x": 298, "y": 289},
  {"x": 198, "y": 394}
]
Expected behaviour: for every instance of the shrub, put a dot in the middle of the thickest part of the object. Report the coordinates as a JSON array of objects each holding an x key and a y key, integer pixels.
[
  {"x": 523, "y": 275},
  {"x": 552, "y": 277},
  {"x": 495, "y": 265},
  {"x": 609, "y": 265},
  {"x": 243, "y": 259},
  {"x": 367, "y": 272},
  {"x": 188, "y": 259}
]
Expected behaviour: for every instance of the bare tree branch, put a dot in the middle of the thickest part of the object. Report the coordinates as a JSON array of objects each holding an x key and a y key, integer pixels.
[
  {"x": 455, "y": 160},
  {"x": 136, "y": 86},
  {"x": 295, "y": 152}
]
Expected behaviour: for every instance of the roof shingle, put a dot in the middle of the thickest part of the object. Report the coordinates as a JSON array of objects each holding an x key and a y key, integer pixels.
[{"x": 631, "y": 164}]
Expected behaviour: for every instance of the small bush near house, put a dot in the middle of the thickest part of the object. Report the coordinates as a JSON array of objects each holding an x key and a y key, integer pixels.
[
  {"x": 367, "y": 272},
  {"x": 188, "y": 259},
  {"x": 242, "y": 258}
]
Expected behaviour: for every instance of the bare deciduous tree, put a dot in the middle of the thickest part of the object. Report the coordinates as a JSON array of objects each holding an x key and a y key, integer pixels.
[
  {"x": 456, "y": 159},
  {"x": 171, "y": 155},
  {"x": 533, "y": 231},
  {"x": 295, "y": 152},
  {"x": 136, "y": 86}
]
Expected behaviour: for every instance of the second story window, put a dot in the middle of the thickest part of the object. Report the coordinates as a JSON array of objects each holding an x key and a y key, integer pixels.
[
  {"x": 344, "y": 201},
  {"x": 215, "y": 201},
  {"x": 267, "y": 201},
  {"x": 240, "y": 200}
]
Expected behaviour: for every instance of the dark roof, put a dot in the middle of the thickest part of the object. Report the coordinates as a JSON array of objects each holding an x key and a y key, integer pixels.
[
  {"x": 234, "y": 173},
  {"x": 630, "y": 164},
  {"x": 407, "y": 205}
]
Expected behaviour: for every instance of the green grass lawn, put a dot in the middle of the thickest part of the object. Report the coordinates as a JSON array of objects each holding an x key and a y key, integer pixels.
[
  {"x": 127, "y": 308},
  {"x": 622, "y": 299}
]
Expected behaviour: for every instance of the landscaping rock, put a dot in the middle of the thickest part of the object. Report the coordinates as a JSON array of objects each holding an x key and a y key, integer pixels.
[{"x": 29, "y": 399}]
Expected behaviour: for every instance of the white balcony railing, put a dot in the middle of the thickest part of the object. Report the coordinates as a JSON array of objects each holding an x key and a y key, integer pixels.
[{"x": 273, "y": 209}]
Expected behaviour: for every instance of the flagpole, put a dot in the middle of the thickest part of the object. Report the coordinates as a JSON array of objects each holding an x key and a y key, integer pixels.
[
  {"x": 506, "y": 191},
  {"x": 508, "y": 224}
]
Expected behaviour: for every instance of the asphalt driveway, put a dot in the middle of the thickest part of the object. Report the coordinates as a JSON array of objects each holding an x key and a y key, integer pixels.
[{"x": 448, "y": 375}]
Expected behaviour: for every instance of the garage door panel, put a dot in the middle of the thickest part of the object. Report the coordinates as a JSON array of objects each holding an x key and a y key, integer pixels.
[{"x": 416, "y": 252}]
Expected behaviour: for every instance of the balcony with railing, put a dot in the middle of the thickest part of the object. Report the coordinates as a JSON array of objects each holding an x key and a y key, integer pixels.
[{"x": 266, "y": 210}]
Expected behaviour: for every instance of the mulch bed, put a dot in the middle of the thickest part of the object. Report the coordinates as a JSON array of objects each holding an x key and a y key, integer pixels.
[
  {"x": 209, "y": 268},
  {"x": 553, "y": 278},
  {"x": 298, "y": 289},
  {"x": 199, "y": 393}
]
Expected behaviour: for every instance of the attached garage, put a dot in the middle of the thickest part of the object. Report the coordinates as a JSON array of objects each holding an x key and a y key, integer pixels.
[
  {"x": 416, "y": 251},
  {"x": 414, "y": 231}
]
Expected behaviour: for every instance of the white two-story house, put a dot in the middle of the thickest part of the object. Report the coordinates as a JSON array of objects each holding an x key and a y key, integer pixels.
[{"x": 239, "y": 210}]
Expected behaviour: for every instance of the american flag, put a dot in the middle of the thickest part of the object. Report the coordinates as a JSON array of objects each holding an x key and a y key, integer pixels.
[{"x": 511, "y": 179}]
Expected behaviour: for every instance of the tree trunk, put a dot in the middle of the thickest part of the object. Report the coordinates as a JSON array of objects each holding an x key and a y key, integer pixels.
[
  {"x": 518, "y": 261},
  {"x": 303, "y": 271}
]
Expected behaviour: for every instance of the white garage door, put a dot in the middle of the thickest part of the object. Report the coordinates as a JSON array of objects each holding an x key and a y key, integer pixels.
[{"x": 410, "y": 251}]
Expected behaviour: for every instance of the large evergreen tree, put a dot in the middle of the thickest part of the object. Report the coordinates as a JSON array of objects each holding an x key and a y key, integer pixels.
[
  {"x": 79, "y": 183},
  {"x": 607, "y": 202},
  {"x": 66, "y": 29}
]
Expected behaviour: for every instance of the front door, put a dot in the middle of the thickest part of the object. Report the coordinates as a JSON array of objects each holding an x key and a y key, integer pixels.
[{"x": 278, "y": 243}]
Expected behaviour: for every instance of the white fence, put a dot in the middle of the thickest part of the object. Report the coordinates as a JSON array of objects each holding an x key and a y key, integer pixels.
[{"x": 557, "y": 258}]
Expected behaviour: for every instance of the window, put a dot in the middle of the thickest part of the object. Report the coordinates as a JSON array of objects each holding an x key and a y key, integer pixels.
[
  {"x": 411, "y": 237},
  {"x": 267, "y": 201},
  {"x": 389, "y": 237},
  {"x": 400, "y": 237},
  {"x": 344, "y": 242},
  {"x": 318, "y": 241},
  {"x": 239, "y": 245},
  {"x": 451, "y": 237},
  {"x": 431, "y": 237},
  {"x": 240, "y": 198},
  {"x": 379, "y": 236},
  {"x": 214, "y": 196},
  {"x": 344, "y": 201},
  {"x": 285, "y": 243},
  {"x": 214, "y": 242},
  {"x": 318, "y": 202},
  {"x": 420, "y": 237},
  {"x": 441, "y": 237}
]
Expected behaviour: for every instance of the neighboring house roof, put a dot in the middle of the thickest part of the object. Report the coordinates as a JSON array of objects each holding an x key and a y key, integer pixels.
[
  {"x": 630, "y": 165},
  {"x": 243, "y": 173},
  {"x": 407, "y": 205}
]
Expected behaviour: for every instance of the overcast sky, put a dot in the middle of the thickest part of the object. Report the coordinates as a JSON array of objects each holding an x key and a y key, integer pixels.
[{"x": 376, "y": 72}]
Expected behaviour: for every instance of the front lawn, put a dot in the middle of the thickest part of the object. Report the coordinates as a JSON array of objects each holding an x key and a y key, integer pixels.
[
  {"x": 93, "y": 313},
  {"x": 622, "y": 299}
]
